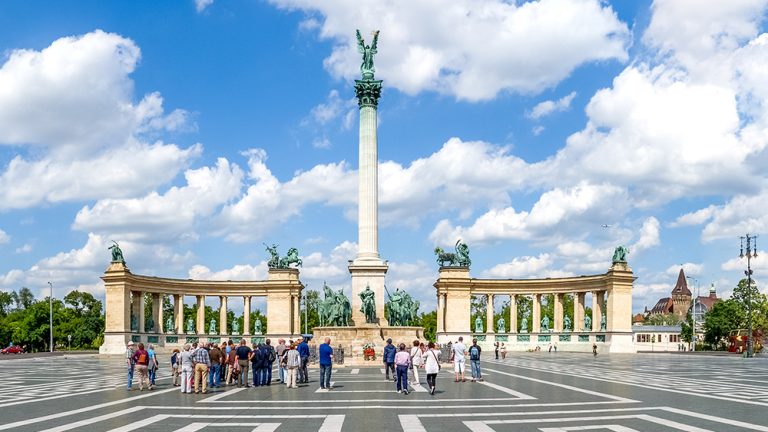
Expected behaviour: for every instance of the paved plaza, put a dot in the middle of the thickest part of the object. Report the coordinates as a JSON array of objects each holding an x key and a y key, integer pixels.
[{"x": 545, "y": 392}]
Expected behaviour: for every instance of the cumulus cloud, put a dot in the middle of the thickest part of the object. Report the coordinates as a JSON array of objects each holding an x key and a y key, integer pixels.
[
  {"x": 741, "y": 214},
  {"x": 4, "y": 237},
  {"x": 240, "y": 272},
  {"x": 201, "y": 5},
  {"x": 690, "y": 269},
  {"x": 525, "y": 267},
  {"x": 649, "y": 235},
  {"x": 492, "y": 46},
  {"x": 545, "y": 108}
]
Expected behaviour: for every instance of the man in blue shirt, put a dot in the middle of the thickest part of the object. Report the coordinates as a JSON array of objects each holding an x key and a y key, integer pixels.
[
  {"x": 303, "y": 350},
  {"x": 389, "y": 359},
  {"x": 325, "y": 352}
]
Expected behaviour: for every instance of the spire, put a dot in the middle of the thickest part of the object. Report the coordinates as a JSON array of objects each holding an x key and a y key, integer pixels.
[
  {"x": 712, "y": 291},
  {"x": 681, "y": 287}
]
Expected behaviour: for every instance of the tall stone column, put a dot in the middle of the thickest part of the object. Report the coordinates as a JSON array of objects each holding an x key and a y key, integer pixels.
[
  {"x": 223, "y": 315},
  {"x": 178, "y": 311},
  {"x": 200, "y": 325},
  {"x": 138, "y": 301},
  {"x": 489, "y": 328},
  {"x": 368, "y": 269},
  {"x": 440, "y": 313},
  {"x": 246, "y": 315},
  {"x": 597, "y": 303},
  {"x": 157, "y": 313},
  {"x": 578, "y": 311},
  {"x": 296, "y": 315},
  {"x": 558, "y": 318},
  {"x": 536, "y": 306},
  {"x": 512, "y": 313}
]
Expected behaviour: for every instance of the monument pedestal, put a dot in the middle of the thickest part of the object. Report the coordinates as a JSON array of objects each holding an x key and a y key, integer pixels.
[
  {"x": 368, "y": 273},
  {"x": 352, "y": 339}
]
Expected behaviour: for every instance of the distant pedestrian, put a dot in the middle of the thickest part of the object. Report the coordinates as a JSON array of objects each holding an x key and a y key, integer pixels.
[
  {"x": 503, "y": 350},
  {"x": 325, "y": 352},
  {"x": 458, "y": 351},
  {"x": 141, "y": 358},
  {"x": 269, "y": 360},
  {"x": 474, "y": 360},
  {"x": 431, "y": 366},
  {"x": 176, "y": 366},
  {"x": 594, "y": 349},
  {"x": 416, "y": 361},
  {"x": 303, "y": 349},
  {"x": 389, "y": 359},
  {"x": 242, "y": 352},
  {"x": 201, "y": 362},
  {"x": 496, "y": 350},
  {"x": 130, "y": 364},
  {"x": 292, "y": 364},
  {"x": 186, "y": 369},
  {"x": 279, "y": 351},
  {"x": 153, "y": 365},
  {"x": 402, "y": 363},
  {"x": 214, "y": 375},
  {"x": 224, "y": 348},
  {"x": 257, "y": 360}
]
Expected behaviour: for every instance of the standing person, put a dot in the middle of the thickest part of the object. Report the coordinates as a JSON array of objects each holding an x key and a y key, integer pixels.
[
  {"x": 325, "y": 352},
  {"x": 141, "y": 359},
  {"x": 279, "y": 351},
  {"x": 224, "y": 357},
  {"x": 242, "y": 353},
  {"x": 594, "y": 349},
  {"x": 202, "y": 363},
  {"x": 431, "y": 366},
  {"x": 496, "y": 350},
  {"x": 231, "y": 364},
  {"x": 186, "y": 370},
  {"x": 269, "y": 359},
  {"x": 130, "y": 364},
  {"x": 402, "y": 362},
  {"x": 389, "y": 359},
  {"x": 474, "y": 359},
  {"x": 176, "y": 366},
  {"x": 292, "y": 363},
  {"x": 459, "y": 361},
  {"x": 503, "y": 351},
  {"x": 416, "y": 361},
  {"x": 216, "y": 357},
  {"x": 303, "y": 349},
  {"x": 153, "y": 365},
  {"x": 256, "y": 358}
]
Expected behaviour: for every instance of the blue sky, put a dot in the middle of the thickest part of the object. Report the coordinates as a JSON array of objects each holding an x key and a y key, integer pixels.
[{"x": 194, "y": 131}]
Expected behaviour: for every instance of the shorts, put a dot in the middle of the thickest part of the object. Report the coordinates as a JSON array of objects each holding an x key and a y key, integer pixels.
[{"x": 458, "y": 365}]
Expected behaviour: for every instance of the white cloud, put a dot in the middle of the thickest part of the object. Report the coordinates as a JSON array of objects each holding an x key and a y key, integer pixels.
[
  {"x": 537, "y": 130},
  {"x": 492, "y": 46},
  {"x": 649, "y": 235},
  {"x": 4, "y": 237},
  {"x": 697, "y": 217},
  {"x": 26, "y": 248},
  {"x": 740, "y": 264},
  {"x": 690, "y": 269},
  {"x": 742, "y": 214},
  {"x": 240, "y": 272},
  {"x": 201, "y": 5},
  {"x": 333, "y": 108},
  {"x": 583, "y": 204},
  {"x": 522, "y": 267},
  {"x": 321, "y": 143},
  {"x": 172, "y": 216},
  {"x": 545, "y": 108}
]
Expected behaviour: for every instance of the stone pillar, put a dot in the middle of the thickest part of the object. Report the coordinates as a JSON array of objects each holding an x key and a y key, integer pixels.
[
  {"x": 489, "y": 328},
  {"x": 117, "y": 306},
  {"x": 138, "y": 299},
  {"x": 536, "y": 324},
  {"x": 178, "y": 310},
  {"x": 246, "y": 315},
  {"x": 619, "y": 308},
  {"x": 200, "y": 325},
  {"x": 296, "y": 315},
  {"x": 455, "y": 283},
  {"x": 578, "y": 311},
  {"x": 157, "y": 313},
  {"x": 558, "y": 318},
  {"x": 512, "y": 313},
  {"x": 596, "y": 312},
  {"x": 440, "y": 313},
  {"x": 223, "y": 316}
]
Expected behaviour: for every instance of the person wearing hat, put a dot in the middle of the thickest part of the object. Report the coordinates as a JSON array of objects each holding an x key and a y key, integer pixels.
[
  {"x": 389, "y": 359},
  {"x": 130, "y": 364}
]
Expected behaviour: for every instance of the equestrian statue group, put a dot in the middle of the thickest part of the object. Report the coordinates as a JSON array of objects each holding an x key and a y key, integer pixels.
[
  {"x": 460, "y": 258},
  {"x": 275, "y": 262},
  {"x": 335, "y": 309},
  {"x": 401, "y": 309}
]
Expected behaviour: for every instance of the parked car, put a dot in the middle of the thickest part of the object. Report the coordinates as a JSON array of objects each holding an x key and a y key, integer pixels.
[{"x": 16, "y": 349}]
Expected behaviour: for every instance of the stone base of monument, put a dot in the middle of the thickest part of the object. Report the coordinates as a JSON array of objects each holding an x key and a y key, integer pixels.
[{"x": 353, "y": 339}]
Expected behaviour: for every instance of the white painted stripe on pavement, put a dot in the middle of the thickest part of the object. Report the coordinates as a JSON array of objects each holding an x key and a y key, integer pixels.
[
  {"x": 565, "y": 386},
  {"x": 411, "y": 423},
  {"x": 672, "y": 424},
  {"x": 221, "y": 395},
  {"x": 355, "y": 371},
  {"x": 738, "y": 423},
  {"x": 127, "y": 428},
  {"x": 506, "y": 390},
  {"x": 332, "y": 423},
  {"x": 259, "y": 427},
  {"x": 7, "y": 426}
]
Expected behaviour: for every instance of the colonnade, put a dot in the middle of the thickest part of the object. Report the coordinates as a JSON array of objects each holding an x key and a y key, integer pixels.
[{"x": 611, "y": 307}]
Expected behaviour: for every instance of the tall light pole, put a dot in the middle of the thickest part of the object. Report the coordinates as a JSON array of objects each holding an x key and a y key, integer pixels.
[
  {"x": 693, "y": 311},
  {"x": 50, "y": 316},
  {"x": 751, "y": 253}
]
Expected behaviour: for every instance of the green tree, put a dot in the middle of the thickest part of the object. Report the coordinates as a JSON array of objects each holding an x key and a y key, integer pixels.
[
  {"x": 750, "y": 298},
  {"x": 725, "y": 316},
  {"x": 478, "y": 305},
  {"x": 6, "y": 303},
  {"x": 428, "y": 320},
  {"x": 312, "y": 301},
  {"x": 24, "y": 298},
  {"x": 663, "y": 319},
  {"x": 686, "y": 329}
]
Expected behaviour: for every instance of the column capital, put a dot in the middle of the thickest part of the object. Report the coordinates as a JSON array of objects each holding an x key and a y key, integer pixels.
[{"x": 368, "y": 92}]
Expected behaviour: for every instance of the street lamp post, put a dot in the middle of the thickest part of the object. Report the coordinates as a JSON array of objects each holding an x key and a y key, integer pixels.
[
  {"x": 751, "y": 253},
  {"x": 50, "y": 316},
  {"x": 693, "y": 312}
]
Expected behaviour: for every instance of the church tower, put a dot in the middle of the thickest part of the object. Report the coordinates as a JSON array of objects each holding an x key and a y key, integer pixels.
[{"x": 681, "y": 296}]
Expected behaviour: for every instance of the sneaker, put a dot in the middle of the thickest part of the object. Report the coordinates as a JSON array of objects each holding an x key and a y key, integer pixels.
[
  {"x": 130, "y": 389},
  {"x": 432, "y": 390},
  {"x": 399, "y": 391},
  {"x": 405, "y": 392}
]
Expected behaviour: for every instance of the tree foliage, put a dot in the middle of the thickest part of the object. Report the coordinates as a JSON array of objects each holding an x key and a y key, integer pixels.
[
  {"x": 669, "y": 319},
  {"x": 725, "y": 316}
]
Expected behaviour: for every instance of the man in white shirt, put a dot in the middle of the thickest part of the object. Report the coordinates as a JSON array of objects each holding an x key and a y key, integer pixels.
[{"x": 458, "y": 353}]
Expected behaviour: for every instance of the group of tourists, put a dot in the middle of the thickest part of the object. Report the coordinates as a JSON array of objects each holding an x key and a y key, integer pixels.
[{"x": 198, "y": 367}]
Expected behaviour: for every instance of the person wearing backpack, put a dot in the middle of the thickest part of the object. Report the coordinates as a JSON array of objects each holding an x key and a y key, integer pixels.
[
  {"x": 270, "y": 360},
  {"x": 153, "y": 365},
  {"x": 474, "y": 360},
  {"x": 141, "y": 359}
]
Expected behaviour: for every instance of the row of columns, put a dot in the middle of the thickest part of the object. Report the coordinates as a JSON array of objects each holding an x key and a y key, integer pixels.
[
  {"x": 598, "y": 299},
  {"x": 178, "y": 311}
]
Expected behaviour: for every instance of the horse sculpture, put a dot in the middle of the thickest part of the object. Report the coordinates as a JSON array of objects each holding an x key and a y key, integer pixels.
[
  {"x": 291, "y": 258},
  {"x": 274, "y": 260},
  {"x": 459, "y": 258}
]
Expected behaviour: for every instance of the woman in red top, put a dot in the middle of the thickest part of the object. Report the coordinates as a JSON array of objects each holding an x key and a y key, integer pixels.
[{"x": 141, "y": 358}]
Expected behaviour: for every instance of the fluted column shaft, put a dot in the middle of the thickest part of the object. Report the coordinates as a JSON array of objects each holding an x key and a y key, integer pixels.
[{"x": 368, "y": 191}]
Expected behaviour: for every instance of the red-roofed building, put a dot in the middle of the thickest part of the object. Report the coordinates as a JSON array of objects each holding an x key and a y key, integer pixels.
[{"x": 679, "y": 303}]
